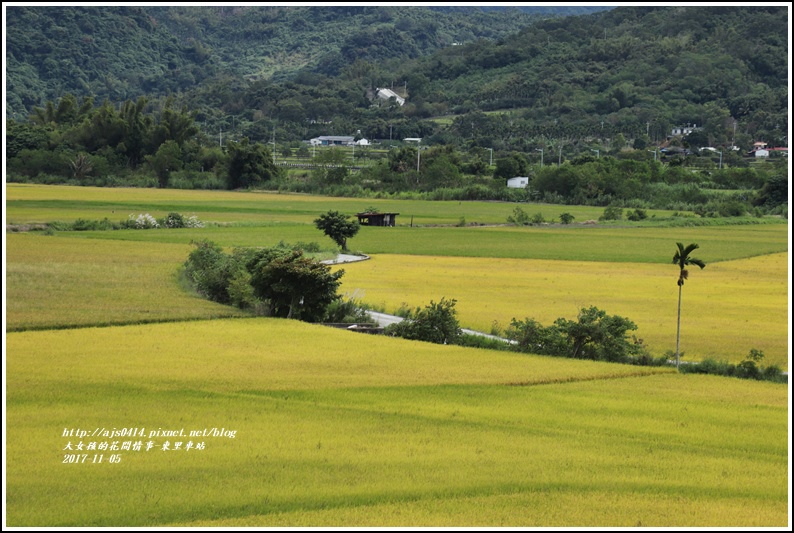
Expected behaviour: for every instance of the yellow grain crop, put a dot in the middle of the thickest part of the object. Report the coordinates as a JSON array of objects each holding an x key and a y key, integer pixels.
[
  {"x": 62, "y": 281},
  {"x": 728, "y": 308}
]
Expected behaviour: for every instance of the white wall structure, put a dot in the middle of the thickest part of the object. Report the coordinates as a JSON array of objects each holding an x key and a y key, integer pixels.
[
  {"x": 385, "y": 94},
  {"x": 519, "y": 182}
]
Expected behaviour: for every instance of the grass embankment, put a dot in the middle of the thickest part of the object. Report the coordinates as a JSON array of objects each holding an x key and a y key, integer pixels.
[{"x": 334, "y": 428}]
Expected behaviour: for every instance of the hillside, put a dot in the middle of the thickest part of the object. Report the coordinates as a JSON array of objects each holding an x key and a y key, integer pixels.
[
  {"x": 629, "y": 70},
  {"x": 126, "y": 52},
  {"x": 632, "y": 70}
]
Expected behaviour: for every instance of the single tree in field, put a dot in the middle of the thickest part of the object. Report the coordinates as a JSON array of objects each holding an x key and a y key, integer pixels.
[
  {"x": 338, "y": 227},
  {"x": 683, "y": 259}
]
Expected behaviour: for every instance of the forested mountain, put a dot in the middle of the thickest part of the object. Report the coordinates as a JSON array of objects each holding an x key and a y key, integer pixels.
[
  {"x": 633, "y": 69},
  {"x": 629, "y": 70},
  {"x": 125, "y": 52}
]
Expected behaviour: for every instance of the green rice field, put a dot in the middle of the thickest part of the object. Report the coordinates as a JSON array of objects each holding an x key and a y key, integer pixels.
[{"x": 324, "y": 427}]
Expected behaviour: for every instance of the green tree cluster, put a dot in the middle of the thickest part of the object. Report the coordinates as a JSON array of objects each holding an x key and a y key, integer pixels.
[
  {"x": 436, "y": 323},
  {"x": 278, "y": 281},
  {"x": 593, "y": 335}
]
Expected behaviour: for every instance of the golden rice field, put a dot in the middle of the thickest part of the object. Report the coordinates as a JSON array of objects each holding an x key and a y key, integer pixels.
[
  {"x": 331, "y": 431},
  {"x": 728, "y": 308},
  {"x": 62, "y": 281},
  {"x": 339, "y": 429}
]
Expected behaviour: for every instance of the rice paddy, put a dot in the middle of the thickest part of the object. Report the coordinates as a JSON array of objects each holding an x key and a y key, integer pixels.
[
  {"x": 339, "y": 429},
  {"x": 55, "y": 282},
  {"x": 331, "y": 430},
  {"x": 728, "y": 308}
]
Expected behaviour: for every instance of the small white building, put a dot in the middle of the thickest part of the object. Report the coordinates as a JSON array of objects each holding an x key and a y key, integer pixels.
[
  {"x": 362, "y": 142},
  {"x": 332, "y": 140},
  {"x": 684, "y": 130},
  {"x": 519, "y": 182},
  {"x": 761, "y": 153},
  {"x": 385, "y": 94}
]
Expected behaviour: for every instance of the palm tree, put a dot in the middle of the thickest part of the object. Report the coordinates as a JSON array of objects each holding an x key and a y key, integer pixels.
[{"x": 682, "y": 259}]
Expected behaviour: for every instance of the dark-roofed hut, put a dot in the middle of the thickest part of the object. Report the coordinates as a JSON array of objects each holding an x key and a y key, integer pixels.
[{"x": 377, "y": 219}]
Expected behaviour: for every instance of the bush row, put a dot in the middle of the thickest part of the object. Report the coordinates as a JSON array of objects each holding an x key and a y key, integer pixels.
[
  {"x": 594, "y": 335},
  {"x": 141, "y": 221}
]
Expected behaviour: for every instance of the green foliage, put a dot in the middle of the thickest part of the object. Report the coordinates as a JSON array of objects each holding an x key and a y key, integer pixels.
[
  {"x": 402, "y": 159},
  {"x": 211, "y": 270},
  {"x": 636, "y": 215},
  {"x": 612, "y": 213},
  {"x": 593, "y": 335},
  {"x": 278, "y": 281},
  {"x": 343, "y": 311},
  {"x": 683, "y": 259},
  {"x": 336, "y": 226},
  {"x": 566, "y": 218},
  {"x": 749, "y": 368},
  {"x": 174, "y": 220},
  {"x": 519, "y": 217},
  {"x": 168, "y": 158},
  {"x": 537, "y": 218},
  {"x": 295, "y": 286},
  {"x": 540, "y": 91},
  {"x": 774, "y": 192},
  {"x": 250, "y": 165},
  {"x": 435, "y": 323}
]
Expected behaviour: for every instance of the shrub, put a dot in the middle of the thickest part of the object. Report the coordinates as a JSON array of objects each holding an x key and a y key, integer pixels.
[
  {"x": 480, "y": 341},
  {"x": 346, "y": 312},
  {"x": 144, "y": 221},
  {"x": 435, "y": 323},
  {"x": 537, "y": 218},
  {"x": 748, "y": 369},
  {"x": 173, "y": 220},
  {"x": 193, "y": 222},
  {"x": 637, "y": 215},
  {"x": 612, "y": 213},
  {"x": 593, "y": 335},
  {"x": 566, "y": 218},
  {"x": 519, "y": 217},
  {"x": 211, "y": 270}
]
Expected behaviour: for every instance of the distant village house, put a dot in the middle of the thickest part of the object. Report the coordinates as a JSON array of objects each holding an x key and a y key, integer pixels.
[
  {"x": 519, "y": 182},
  {"x": 337, "y": 140},
  {"x": 385, "y": 94},
  {"x": 684, "y": 130}
]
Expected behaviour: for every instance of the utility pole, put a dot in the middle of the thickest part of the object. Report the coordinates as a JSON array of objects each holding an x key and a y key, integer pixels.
[
  {"x": 559, "y": 161},
  {"x": 541, "y": 156},
  {"x": 598, "y": 153},
  {"x": 220, "y": 137},
  {"x": 274, "y": 144},
  {"x": 491, "y": 163}
]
